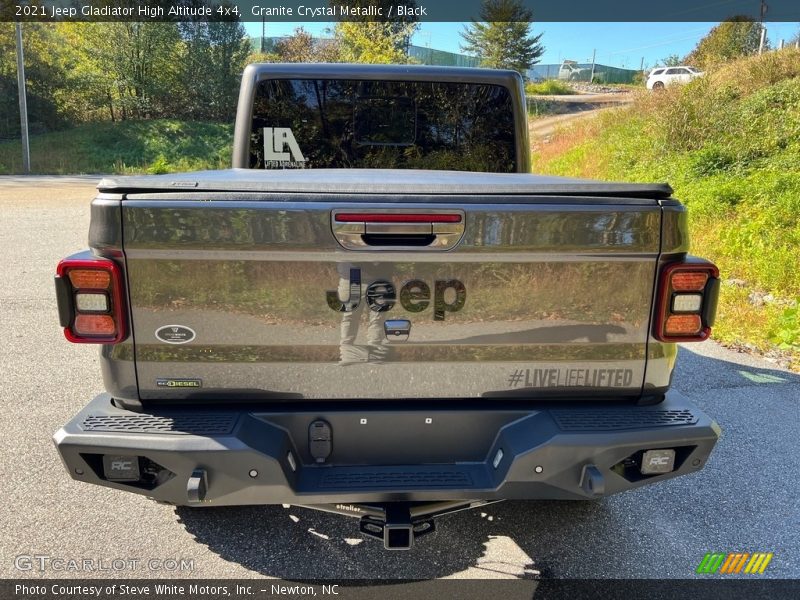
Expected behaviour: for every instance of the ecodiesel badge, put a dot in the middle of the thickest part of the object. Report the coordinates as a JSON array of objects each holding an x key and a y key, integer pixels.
[{"x": 179, "y": 383}]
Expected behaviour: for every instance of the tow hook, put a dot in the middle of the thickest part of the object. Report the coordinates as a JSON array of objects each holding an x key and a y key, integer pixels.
[
  {"x": 197, "y": 486},
  {"x": 592, "y": 481}
]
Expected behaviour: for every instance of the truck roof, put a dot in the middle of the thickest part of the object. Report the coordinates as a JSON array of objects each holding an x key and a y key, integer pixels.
[
  {"x": 259, "y": 71},
  {"x": 379, "y": 181}
]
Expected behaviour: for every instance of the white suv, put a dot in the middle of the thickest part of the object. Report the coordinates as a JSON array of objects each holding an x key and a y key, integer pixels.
[{"x": 661, "y": 77}]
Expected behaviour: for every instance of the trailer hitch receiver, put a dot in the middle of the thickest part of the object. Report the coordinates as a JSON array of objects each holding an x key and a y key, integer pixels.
[{"x": 397, "y": 531}]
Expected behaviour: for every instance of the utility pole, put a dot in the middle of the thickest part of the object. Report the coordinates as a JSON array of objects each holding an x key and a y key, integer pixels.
[
  {"x": 764, "y": 9},
  {"x": 263, "y": 33},
  {"x": 23, "y": 103},
  {"x": 594, "y": 54}
]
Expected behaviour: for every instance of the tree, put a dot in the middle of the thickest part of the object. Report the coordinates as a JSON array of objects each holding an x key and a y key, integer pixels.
[
  {"x": 47, "y": 71},
  {"x": 381, "y": 42},
  {"x": 213, "y": 57},
  {"x": 302, "y": 47},
  {"x": 729, "y": 40},
  {"x": 134, "y": 63},
  {"x": 673, "y": 60},
  {"x": 502, "y": 38}
]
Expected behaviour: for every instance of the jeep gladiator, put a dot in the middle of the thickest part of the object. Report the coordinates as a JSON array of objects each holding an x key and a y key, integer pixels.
[{"x": 379, "y": 312}]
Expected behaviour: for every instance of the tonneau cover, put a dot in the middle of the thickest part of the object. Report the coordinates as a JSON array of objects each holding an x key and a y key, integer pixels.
[{"x": 378, "y": 181}]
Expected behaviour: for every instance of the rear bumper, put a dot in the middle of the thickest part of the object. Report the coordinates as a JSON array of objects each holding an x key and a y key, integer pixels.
[{"x": 250, "y": 456}]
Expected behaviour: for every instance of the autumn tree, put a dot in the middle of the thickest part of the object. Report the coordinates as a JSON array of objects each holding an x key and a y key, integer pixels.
[
  {"x": 729, "y": 40},
  {"x": 47, "y": 69},
  {"x": 502, "y": 37},
  {"x": 302, "y": 47},
  {"x": 378, "y": 42}
]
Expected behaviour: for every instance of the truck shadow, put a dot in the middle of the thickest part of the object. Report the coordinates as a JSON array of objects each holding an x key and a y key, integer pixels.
[
  {"x": 695, "y": 372},
  {"x": 616, "y": 536},
  {"x": 512, "y": 539}
]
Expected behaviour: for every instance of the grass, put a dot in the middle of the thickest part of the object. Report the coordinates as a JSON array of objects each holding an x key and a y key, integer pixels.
[
  {"x": 729, "y": 144},
  {"x": 550, "y": 87},
  {"x": 159, "y": 146}
]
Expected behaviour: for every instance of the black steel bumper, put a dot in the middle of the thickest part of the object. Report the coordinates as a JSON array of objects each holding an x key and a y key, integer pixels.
[{"x": 417, "y": 453}]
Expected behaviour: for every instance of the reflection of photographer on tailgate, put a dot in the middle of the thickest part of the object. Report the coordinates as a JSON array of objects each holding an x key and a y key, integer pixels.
[{"x": 351, "y": 278}]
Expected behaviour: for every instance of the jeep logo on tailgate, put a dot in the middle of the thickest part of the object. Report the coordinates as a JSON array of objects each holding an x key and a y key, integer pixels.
[{"x": 415, "y": 296}]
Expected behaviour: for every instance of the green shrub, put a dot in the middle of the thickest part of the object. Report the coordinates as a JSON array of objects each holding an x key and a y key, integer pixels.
[
  {"x": 550, "y": 87},
  {"x": 159, "y": 166},
  {"x": 787, "y": 331},
  {"x": 157, "y": 146}
]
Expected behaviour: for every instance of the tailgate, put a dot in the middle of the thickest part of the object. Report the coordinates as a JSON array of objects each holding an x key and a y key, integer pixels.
[{"x": 251, "y": 295}]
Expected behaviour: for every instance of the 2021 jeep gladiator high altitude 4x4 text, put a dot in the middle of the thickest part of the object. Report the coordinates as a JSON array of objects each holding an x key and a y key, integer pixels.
[{"x": 379, "y": 312}]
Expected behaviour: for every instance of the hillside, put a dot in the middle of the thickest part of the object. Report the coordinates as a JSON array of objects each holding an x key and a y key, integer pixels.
[
  {"x": 729, "y": 143},
  {"x": 158, "y": 146}
]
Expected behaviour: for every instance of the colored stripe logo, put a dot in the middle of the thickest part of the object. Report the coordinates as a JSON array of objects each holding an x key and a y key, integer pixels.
[{"x": 734, "y": 563}]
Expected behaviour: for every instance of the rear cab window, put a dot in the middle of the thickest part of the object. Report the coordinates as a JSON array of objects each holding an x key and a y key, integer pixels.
[{"x": 337, "y": 123}]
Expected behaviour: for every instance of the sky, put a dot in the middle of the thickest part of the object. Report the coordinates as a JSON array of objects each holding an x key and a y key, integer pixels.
[{"x": 617, "y": 44}]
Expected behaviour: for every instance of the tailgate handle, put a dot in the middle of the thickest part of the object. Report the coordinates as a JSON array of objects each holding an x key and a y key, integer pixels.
[{"x": 398, "y": 230}]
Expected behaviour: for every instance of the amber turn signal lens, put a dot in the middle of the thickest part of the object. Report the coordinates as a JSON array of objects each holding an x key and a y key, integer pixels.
[
  {"x": 689, "y": 281},
  {"x": 92, "y": 279},
  {"x": 95, "y": 325},
  {"x": 682, "y": 325}
]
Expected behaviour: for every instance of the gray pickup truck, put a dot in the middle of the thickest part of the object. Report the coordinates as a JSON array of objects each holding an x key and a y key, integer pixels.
[{"x": 379, "y": 312}]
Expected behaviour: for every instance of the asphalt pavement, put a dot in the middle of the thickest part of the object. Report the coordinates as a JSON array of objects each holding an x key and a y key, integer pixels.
[{"x": 744, "y": 500}]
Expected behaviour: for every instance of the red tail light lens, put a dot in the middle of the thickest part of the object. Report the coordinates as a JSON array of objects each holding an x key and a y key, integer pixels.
[
  {"x": 686, "y": 301},
  {"x": 95, "y": 325},
  {"x": 91, "y": 303}
]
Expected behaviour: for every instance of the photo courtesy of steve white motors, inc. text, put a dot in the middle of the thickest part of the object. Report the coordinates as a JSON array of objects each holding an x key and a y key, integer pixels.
[{"x": 146, "y": 589}]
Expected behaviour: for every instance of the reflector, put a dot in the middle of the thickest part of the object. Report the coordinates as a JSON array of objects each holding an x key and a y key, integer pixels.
[
  {"x": 93, "y": 279},
  {"x": 94, "y": 325},
  {"x": 689, "y": 281},
  {"x": 682, "y": 325}
]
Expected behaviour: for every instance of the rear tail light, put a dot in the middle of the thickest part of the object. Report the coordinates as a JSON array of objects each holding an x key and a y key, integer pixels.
[
  {"x": 91, "y": 303},
  {"x": 686, "y": 301}
]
